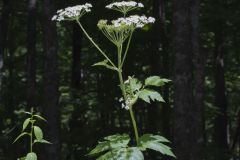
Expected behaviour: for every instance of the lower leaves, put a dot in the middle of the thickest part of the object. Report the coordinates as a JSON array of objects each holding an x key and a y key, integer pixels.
[
  {"x": 116, "y": 147},
  {"x": 31, "y": 156}
]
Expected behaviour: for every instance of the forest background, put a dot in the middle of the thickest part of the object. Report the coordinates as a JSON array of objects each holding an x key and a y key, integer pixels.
[{"x": 48, "y": 66}]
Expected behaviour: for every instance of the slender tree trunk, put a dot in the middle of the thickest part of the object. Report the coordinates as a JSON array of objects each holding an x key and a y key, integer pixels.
[
  {"x": 186, "y": 122},
  {"x": 3, "y": 36},
  {"x": 4, "y": 21},
  {"x": 51, "y": 82},
  {"x": 199, "y": 81},
  {"x": 31, "y": 55},
  {"x": 76, "y": 57},
  {"x": 220, "y": 123}
]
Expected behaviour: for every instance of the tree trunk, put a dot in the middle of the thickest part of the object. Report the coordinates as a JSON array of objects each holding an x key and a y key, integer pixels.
[
  {"x": 3, "y": 36},
  {"x": 76, "y": 57},
  {"x": 220, "y": 123},
  {"x": 51, "y": 82},
  {"x": 186, "y": 115},
  {"x": 31, "y": 55},
  {"x": 199, "y": 81},
  {"x": 4, "y": 23}
]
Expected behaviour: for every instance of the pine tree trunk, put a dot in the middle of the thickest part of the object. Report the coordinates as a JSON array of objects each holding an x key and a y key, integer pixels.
[
  {"x": 31, "y": 55},
  {"x": 220, "y": 123},
  {"x": 199, "y": 81},
  {"x": 187, "y": 119},
  {"x": 51, "y": 83},
  {"x": 3, "y": 36},
  {"x": 76, "y": 57},
  {"x": 4, "y": 21}
]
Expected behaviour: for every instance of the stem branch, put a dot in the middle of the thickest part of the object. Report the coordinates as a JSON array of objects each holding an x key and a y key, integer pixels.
[{"x": 99, "y": 49}]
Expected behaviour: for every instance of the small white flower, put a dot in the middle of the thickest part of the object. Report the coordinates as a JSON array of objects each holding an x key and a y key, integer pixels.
[
  {"x": 72, "y": 13},
  {"x": 135, "y": 20},
  {"x": 140, "y": 5},
  {"x": 125, "y": 6},
  {"x": 121, "y": 99}
]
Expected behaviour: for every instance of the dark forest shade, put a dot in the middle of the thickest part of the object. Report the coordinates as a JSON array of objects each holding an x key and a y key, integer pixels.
[
  {"x": 31, "y": 54},
  {"x": 3, "y": 43},
  {"x": 51, "y": 82},
  {"x": 220, "y": 135},
  {"x": 187, "y": 118},
  {"x": 76, "y": 56},
  {"x": 89, "y": 104},
  {"x": 3, "y": 35}
]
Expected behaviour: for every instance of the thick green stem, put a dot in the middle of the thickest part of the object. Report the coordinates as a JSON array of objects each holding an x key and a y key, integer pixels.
[
  {"x": 99, "y": 49},
  {"x": 134, "y": 123},
  {"x": 122, "y": 86}
]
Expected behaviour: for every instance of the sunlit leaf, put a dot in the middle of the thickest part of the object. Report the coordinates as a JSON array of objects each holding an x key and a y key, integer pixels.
[
  {"x": 38, "y": 133},
  {"x": 147, "y": 95},
  {"x": 135, "y": 84},
  {"x": 25, "y": 123},
  {"x": 156, "y": 81},
  {"x": 155, "y": 142},
  {"x": 31, "y": 156}
]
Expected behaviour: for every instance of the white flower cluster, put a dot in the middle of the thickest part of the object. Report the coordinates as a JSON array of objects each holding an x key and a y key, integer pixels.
[
  {"x": 71, "y": 13},
  {"x": 126, "y": 104},
  {"x": 125, "y": 4},
  {"x": 135, "y": 20}
]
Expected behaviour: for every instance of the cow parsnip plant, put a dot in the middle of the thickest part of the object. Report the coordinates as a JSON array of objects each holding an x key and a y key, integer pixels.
[
  {"x": 34, "y": 133},
  {"x": 120, "y": 32}
]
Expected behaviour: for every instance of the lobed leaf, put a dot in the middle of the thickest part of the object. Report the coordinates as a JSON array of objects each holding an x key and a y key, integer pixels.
[
  {"x": 149, "y": 141},
  {"x": 156, "y": 81},
  {"x": 135, "y": 84},
  {"x": 147, "y": 95},
  {"x": 111, "y": 142},
  {"x": 132, "y": 153}
]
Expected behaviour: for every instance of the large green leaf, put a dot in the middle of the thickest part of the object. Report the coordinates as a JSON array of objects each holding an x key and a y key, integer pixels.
[
  {"x": 110, "y": 143},
  {"x": 132, "y": 153},
  {"x": 38, "y": 133},
  {"x": 155, "y": 142},
  {"x": 21, "y": 135},
  {"x": 156, "y": 81},
  {"x": 135, "y": 84},
  {"x": 31, "y": 156},
  {"x": 147, "y": 95},
  {"x": 25, "y": 123},
  {"x": 22, "y": 158}
]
